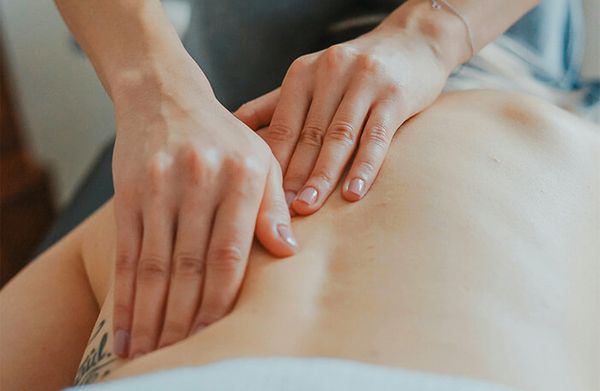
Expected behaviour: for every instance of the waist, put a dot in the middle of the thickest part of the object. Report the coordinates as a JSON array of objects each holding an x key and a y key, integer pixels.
[{"x": 409, "y": 314}]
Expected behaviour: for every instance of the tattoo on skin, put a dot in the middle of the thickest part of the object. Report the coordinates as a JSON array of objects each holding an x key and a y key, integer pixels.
[{"x": 96, "y": 363}]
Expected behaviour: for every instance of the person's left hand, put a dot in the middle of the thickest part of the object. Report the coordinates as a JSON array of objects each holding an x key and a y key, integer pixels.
[{"x": 350, "y": 96}]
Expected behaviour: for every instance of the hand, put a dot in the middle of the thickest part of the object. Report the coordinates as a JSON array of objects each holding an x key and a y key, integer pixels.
[
  {"x": 191, "y": 182},
  {"x": 350, "y": 96}
]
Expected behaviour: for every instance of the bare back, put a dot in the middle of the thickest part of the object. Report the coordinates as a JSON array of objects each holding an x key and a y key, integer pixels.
[{"x": 474, "y": 254}]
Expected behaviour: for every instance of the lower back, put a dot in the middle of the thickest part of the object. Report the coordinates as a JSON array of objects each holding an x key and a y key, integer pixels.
[{"x": 460, "y": 260}]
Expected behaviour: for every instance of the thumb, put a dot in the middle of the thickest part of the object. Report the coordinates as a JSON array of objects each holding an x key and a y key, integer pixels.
[
  {"x": 258, "y": 112},
  {"x": 273, "y": 225}
]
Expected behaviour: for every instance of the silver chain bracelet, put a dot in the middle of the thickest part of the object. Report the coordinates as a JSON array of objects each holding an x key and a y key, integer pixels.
[{"x": 438, "y": 4}]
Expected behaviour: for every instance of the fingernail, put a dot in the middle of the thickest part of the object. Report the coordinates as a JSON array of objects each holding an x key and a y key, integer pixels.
[
  {"x": 289, "y": 197},
  {"x": 286, "y": 234},
  {"x": 308, "y": 195},
  {"x": 357, "y": 186},
  {"x": 121, "y": 343}
]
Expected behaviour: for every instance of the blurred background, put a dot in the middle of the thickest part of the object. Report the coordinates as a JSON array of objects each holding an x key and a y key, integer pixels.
[{"x": 56, "y": 118}]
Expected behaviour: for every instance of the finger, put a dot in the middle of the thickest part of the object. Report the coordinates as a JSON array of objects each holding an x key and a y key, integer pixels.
[
  {"x": 384, "y": 120},
  {"x": 273, "y": 227},
  {"x": 193, "y": 230},
  {"x": 129, "y": 237},
  {"x": 330, "y": 84},
  {"x": 288, "y": 118},
  {"x": 229, "y": 246},
  {"x": 339, "y": 144},
  {"x": 152, "y": 278},
  {"x": 258, "y": 112}
]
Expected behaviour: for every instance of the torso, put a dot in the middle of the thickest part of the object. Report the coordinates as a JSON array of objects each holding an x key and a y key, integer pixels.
[{"x": 472, "y": 255}]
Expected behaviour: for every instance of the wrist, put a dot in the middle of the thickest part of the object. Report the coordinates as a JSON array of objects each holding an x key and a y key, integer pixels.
[
  {"x": 153, "y": 73},
  {"x": 144, "y": 84},
  {"x": 141, "y": 49},
  {"x": 444, "y": 33}
]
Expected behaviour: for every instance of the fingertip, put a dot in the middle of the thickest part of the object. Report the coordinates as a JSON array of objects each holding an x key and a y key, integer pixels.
[
  {"x": 278, "y": 239},
  {"x": 350, "y": 197},
  {"x": 287, "y": 236},
  {"x": 247, "y": 116},
  {"x": 122, "y": 317},
  {"x": 307, "y": 201},
  {"x": 301, "y": 208},
  {"x": 273, "y": 226},
  {"x": 121, "y": 343},
  {"x": 354, "y": 189}
]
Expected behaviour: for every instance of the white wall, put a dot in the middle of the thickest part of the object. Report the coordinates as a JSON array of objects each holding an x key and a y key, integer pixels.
[{"x": 66, "y": 114}]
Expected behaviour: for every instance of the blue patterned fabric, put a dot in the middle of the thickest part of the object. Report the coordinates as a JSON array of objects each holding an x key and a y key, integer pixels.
[{"x": 553, "y": 31}]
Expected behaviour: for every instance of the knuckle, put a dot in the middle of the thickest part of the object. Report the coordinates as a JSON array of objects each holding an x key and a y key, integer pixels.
[
  {"x": 394, "y": 91},
  {"x": 188, "y": 265},
  {"x": 193, "y": 163},
  {"x": 248, "y": 167},
  {"x": 226, "y": 258},
  {"x": 212, "y": 163},
  {"x": 156, "y": 171},
  {"x": 299, "y": 66},
  {"x": 369, "y": 63},
  {"x": 124, "y": 265},
  {"x": 245, "y": 172},
  {"x": 377, "y": 135},
  {"x": 125, "y": 195},
  {"x": 335, "y": 55},
  {"x": 342, "y": 132},
  {"x": 279, "y": 132},
  {"x": 393, "y": 95},
  {"x": 245, "y": 188},
  {"x": 323, "y": 176},
  {"x": 152, "y": 268},
  {"x": 247, "y": 111},
  {"x": 366, "y": 168},
  {"x": 312, "y": 135}
]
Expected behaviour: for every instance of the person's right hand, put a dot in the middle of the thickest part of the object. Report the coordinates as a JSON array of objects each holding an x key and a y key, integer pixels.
[{"x": 191, "y": 182}]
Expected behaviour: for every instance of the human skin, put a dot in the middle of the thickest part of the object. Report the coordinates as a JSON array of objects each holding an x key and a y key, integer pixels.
[
  {"x": 352, "y": 97},
  {"x": 193, "y": 185},
  {"x": 474, "y": 254}
]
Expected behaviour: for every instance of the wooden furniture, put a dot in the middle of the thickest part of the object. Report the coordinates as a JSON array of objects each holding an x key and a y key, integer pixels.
[{"x": 26, "y": 207}]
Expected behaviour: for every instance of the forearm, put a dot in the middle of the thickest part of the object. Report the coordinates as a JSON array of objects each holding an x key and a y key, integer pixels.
[
  {"x": 129, "y": 42},
  {"x": 448, "y": 35}
]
